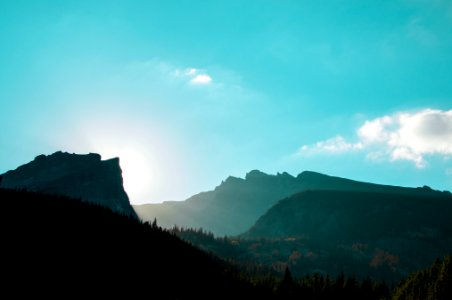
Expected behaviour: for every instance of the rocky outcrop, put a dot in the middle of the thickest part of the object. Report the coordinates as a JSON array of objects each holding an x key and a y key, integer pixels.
[{"x": 86, "y": 177}]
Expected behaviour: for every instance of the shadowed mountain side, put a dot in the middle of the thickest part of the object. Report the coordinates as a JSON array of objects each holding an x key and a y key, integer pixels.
[
  {"x": 56, "y": 246},
  {"x": 77, "y": 176},
  {"x": 236, "y": 204},
  {"x": 410, "y": 229}
]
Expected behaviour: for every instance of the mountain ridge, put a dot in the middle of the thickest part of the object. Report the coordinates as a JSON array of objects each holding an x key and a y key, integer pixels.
[{"x": 234, "y": 206}]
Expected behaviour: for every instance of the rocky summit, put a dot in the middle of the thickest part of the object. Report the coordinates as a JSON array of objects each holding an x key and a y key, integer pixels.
[{"x": 86, "y": 177}]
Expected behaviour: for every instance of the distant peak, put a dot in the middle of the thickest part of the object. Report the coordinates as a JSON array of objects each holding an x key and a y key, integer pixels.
[
  {"x": 310, "y": 174},
  {"x": 255, "y": 174},
  {"x": 284, "y": 175},
  {"x": 231, "y": 179}
]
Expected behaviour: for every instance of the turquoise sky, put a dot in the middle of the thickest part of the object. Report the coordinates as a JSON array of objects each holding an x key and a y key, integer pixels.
[{"x": 189, "y": 92}]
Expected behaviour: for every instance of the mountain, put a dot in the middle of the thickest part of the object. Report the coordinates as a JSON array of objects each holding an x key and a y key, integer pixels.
[
  {"x": 57, "y": 246},
  {"x": 86, "y": 177},
  {"x": 231, "y": 208},
  {"x": 236, "y": 204},
  {"x": 351, "y": 215},
  {"x": 395, "y": 233}
]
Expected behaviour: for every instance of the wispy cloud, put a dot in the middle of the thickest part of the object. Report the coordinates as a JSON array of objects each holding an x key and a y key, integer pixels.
[
  {"x": 401, "y": 136},
  {"x": 334, "y": 145}
]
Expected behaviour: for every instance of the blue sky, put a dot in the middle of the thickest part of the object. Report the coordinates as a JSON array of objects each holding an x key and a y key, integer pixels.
[{"x": 190, "y": 92}]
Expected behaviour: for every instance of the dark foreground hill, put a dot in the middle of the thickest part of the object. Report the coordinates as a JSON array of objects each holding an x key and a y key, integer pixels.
[
  {"x": 62, "y": 247},
  {"x": 59, "y": 247},
  {"x": 85, "y": 177},
  {"x": 236, "y": 204},
  {"x": 386, "y": 235}
]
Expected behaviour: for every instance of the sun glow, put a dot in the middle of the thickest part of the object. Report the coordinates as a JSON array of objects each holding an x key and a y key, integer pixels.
[
  {"x": 147, "y": 154},
  {"x": 136, "y": 157},
  {"x": 136, "y": 171}
]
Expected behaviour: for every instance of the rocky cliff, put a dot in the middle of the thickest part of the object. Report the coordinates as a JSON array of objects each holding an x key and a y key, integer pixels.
[{"x": 86, "y": 177}]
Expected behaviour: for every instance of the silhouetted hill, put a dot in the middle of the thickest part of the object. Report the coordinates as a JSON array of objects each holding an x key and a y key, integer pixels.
[
  {"x": 56, "y": 247},
  {"x": 77, "y": 176},
  {"x": 401, "y": 232},
  {"x": 236, "y": 204},
  {"x": 53, "y": 245}
]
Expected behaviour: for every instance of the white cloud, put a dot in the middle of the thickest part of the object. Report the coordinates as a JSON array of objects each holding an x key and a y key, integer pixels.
[
  {"x": 168, "y": 72},
  {"x": 334, "y": 145},
  {"x": 201, "y": 79},
  {"x": 196, "y": 76},
  {"x": 401, "y": 136}
]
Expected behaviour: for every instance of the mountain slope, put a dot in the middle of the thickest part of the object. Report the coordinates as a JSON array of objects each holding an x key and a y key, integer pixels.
[
  {"x": 354, "y": 215},
  {"x": 236, "y": 204},
  {"x": 78, "y": 176},
  {"x": 404, "y": 232},
  {"x": 57, "y": 246}
]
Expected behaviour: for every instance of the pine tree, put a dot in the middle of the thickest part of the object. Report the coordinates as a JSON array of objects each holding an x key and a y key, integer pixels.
[
  {"x": 287, "y": 285},
  {"x": 443, "y": 285}
]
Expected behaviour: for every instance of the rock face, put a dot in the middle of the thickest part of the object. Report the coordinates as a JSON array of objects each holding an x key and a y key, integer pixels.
[{"x": 78, "y": 176}]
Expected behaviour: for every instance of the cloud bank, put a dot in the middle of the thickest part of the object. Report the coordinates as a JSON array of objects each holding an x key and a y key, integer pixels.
[{"x": 401, "y": 136}]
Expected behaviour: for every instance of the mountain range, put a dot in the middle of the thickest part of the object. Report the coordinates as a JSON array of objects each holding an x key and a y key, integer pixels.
[
  {"x": 310, "y": 223},
  {"x": 327, "y": 224},
  {"x": 235, "y": 205}
]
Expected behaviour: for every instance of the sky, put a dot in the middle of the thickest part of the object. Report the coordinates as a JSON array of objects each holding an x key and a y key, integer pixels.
[{"x": 187, "y": 93}]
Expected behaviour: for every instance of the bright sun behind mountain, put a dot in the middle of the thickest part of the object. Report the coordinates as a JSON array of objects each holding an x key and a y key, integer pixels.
[{"x": 136, "y": 172}]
